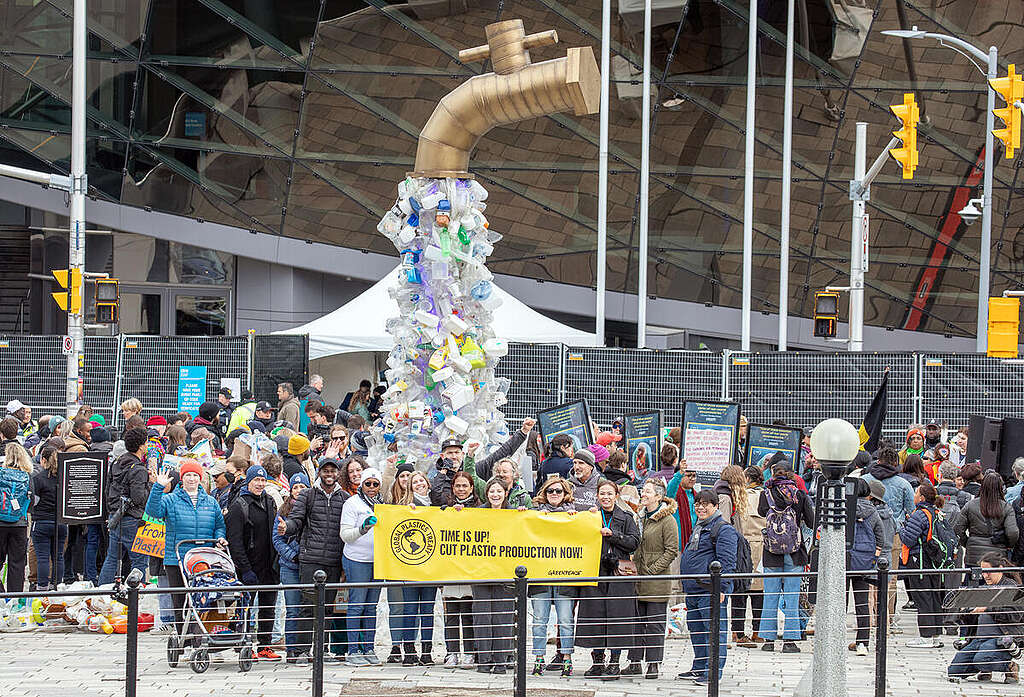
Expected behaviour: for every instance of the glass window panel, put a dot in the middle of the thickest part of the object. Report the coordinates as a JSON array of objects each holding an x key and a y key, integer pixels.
[
  {"x": 200, "y": 315},
  {"x": 139, "y": 313}
]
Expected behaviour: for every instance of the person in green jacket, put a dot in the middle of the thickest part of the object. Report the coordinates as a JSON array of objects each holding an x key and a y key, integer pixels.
[{"x": 506, "y": 470}]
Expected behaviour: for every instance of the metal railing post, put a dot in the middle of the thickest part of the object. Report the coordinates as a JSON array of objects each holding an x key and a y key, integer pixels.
[
  {"x": 714, "y": 635},
  {"x": 319, "y": 610},
  {"x": 522, "y": 599},
  {"x": 131, "y": 658},
  {"x": 882, "y": 626}
]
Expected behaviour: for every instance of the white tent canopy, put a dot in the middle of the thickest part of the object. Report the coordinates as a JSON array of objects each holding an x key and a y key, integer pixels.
[{"x": 359, "y": 324}]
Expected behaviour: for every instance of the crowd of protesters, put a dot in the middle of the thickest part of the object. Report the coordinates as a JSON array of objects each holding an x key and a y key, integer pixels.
[{"x": 310, "y": 506}]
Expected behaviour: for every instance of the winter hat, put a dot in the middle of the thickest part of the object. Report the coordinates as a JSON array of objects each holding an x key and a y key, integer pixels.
[
  {"x": 156, "y": 421},
  {"x": 99, "y": 435},
  {"x": 600, "y": 453},
  {"x": 208, "y": 411},
  {"x": 606, "y": 438},
  {"x": 405, "y": 467},
  {"x": 298, "y": 444},
  {"x": 298, "y": 478},
  {"x": 915, "y": 431},
  {"x": 253, "y": 472},
  {"x": 877, "y": 488},
  {"x": 580, "y": 455},
  {"x": 98, "y": 419},
  {"x": 371, "y": 473},
  {"x": 358, "y": 441},
  {"x": 190, "y": 466}
]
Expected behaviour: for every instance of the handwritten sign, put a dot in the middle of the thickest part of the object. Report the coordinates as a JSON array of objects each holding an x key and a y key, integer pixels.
[
  {"x": 149, "y": 540},
  {"x": 709, "y": 438}
]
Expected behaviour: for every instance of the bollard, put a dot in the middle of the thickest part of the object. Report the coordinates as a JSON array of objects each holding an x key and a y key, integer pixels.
[
  {"x": 319, "y": 579},
  {"x": 714, "y": 636},
  {"x": 131, "y": 661},
  {"x": 522, "y": 599},
  {"x": 882, "y": 626}
]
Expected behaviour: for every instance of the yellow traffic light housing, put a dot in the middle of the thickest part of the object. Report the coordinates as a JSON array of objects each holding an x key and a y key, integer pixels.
[
  {"x": 910, "y": 115},
  {"x": 69, "y": 300},
  {"x": 1011, "y": 90},
  {"x": 107, "y": 299},
  {"x": 826, "y": 313},
  {"x": 1003, "y": 327}
]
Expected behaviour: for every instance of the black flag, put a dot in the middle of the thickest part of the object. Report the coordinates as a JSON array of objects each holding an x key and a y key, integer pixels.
[{"x": 871, "y": 428}]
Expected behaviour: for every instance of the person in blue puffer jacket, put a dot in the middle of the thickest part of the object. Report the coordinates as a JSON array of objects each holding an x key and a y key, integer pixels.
[
  {"x": 189, "y": 513},
  {"x": 287, "y": 547}
]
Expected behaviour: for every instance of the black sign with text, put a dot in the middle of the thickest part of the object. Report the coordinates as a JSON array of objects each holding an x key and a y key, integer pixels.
[{"x": 81, "y": 483}]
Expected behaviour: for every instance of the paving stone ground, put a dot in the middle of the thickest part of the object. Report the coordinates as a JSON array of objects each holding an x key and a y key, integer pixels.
[{"x": 78, "y": 664}]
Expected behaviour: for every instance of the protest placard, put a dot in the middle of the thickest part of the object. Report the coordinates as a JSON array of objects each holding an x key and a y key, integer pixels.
[
  {"x": 149, "y": 539},
  {"x": 642, "y": 433},
  {"x": 81, "y": 485},
  {"x": 434, "y": 544},
  {"x": 571, "y": 418},
  {"x": 764, "y": 441},
  {"x": 709, "y": 438}
]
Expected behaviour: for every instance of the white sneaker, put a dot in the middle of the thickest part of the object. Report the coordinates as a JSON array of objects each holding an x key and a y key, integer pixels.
[
  {"x": 164, "y": 629},
  {"x": 861, "y": 650},
  {"x": 467, "y": 662},
  {"x": 451, "y": 660}
]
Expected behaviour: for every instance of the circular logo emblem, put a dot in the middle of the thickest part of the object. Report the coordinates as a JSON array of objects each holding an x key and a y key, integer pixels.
[{"x": 413, "y": 542}]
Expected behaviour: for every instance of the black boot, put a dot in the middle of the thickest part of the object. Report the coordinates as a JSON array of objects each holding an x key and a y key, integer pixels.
[
  {"x": 410, "y": 654},
  {"x": 396, "y": 655},
  {"x": 596, "y": 670},
  {"x": 425, "y": 658},
  {"x": 633, "y": 668}
]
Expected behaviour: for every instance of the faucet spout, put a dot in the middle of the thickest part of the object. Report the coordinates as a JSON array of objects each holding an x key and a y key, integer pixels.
[{"x": 517, "y": 91}]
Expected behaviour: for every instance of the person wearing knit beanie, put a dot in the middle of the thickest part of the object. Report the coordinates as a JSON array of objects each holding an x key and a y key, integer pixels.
[
  {"x": 601, "y": 455},
  {"x": 298, "y": 444}
]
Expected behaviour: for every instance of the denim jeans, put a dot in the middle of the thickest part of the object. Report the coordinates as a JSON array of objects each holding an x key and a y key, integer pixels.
[
  {"x": 164, "y": 599},
  {"x": 698, "y": 622},
  {"x": 293, "y": 603},
  {"x": 781, "y": 593},
  {"x": 396, "y": 615},
  {"x": 979, "y": 656},
  {"x": 43, "y": 532},
  {"x": 361, "y": 620},
  {"x": 542, "y": 613},
  {"x": 121, "y": 539},
  {"x": 419, "y": 613},
  {"x": 93, "y": 540}
]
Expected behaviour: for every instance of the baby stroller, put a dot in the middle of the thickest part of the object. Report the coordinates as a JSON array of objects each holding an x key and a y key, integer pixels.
[{"x": 212, "y": 620}]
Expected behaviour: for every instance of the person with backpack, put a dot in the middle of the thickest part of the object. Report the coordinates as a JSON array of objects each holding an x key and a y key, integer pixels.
[
  {"x": 928, "y": 543},
  {"x": 988, "y": 524},
  {"x": 127, "y": 494},
  {"x": 872, "y": 539},
  {"x": 750, "y": 524},
  {"x": 712, "y": 539},
  {"x": 990, "y": 631},
  {"x": 659, "y": 544},
  {"x": 250, "y": 524},
  {"x": 44, "y": 530},
  {"x": 786, "y": 510},
  {"x": 15, "y": 505}
]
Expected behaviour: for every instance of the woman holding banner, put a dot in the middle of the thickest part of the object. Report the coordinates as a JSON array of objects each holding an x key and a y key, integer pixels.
[
  {"x": 492, "y": 611},
  {"x": 357, "y": 521},
  {"x": 458, "y": 598},
  {"x": 608, "y": 610},
  {"x": 554, "y": 496},
  {"x": 418, "y": 601}
]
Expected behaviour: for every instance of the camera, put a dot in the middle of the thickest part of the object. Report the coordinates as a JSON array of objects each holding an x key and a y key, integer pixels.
[
  {"x": 320, "y": 430},
  {"x": 972, "y": 211},
  {"x": 446, "y": 464}
]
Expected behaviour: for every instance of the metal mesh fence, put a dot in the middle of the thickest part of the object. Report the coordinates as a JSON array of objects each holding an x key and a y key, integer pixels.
[
  {"x": 278, "y": 359},
  {"x": 33, "y": 369},
  {"x": 100, "y": 375},
  {"x": 625, "y": 380},
  {"x": 149, "y": 367},
  {"x": 954, "y": 386},
  {"x": 535, "y": 372},
  {"x": 804, "y": 388}
]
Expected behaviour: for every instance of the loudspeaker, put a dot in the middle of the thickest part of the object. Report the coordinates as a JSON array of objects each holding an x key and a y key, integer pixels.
[
  {"x": 1013, "y": 446},
  {"x": 984, "y": 442}
]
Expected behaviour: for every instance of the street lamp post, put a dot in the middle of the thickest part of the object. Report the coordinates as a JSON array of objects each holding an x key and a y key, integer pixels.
[
  {"x": 834, "y": 443},
  {"x": 991, "y": 59}
]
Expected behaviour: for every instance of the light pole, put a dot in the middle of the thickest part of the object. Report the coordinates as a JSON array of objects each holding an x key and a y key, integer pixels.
[
  {"x": 992, "y": 60},
  {"x": 834, "y": 443}
]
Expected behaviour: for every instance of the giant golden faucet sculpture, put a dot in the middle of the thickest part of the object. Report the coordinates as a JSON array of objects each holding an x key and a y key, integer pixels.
[{"x": 517, "y": 90}]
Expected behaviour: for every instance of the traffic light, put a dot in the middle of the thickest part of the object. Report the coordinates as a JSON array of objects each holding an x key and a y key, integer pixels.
[
  {"x": 908, "y": 113},
  {"x": 107, "y": 297},
  {"x": 1003, "y": 327},
  {"x": 72, "y": 281},
  {"x": 1011, "y": 89},
  {"x": 826, "y": 313}
]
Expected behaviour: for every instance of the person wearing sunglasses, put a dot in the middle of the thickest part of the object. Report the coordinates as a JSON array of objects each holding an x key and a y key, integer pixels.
[
  {"x": 357, "y": 522},
  {"x": 554, "y": 496}
]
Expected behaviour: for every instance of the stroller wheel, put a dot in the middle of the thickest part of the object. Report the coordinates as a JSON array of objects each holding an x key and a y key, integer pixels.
[
  {"x": 173, "y": 651},
  {"x": 200, "y": 660},
  {"x": 245, "y": 659}
]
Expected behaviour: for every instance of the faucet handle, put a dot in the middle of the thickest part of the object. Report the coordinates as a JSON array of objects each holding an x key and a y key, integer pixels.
[{"x": 479, "y": 53}]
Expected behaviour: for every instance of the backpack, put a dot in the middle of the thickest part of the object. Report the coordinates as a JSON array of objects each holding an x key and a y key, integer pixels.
[
  {"x": 940, "y": 545},
  {"x": 744, "y": 558},
  {"x": 781, "y": 531},
  {"x": 862, "y": 554},
  {"x": 14, "y": 490}
]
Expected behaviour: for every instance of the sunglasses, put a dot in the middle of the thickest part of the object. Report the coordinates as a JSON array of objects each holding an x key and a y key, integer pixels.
[
  {"x": 340, "y": 438},
  {"x": 556, "y": 491},
  {"x": 372, "y": 484},
  {"x": 689, "y": 474}
]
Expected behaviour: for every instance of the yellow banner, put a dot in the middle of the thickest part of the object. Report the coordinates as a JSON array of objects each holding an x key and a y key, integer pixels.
[{"x": 430, "y": 544}]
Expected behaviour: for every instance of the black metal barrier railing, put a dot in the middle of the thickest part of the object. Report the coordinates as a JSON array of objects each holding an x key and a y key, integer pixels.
[{"x": 130, "y": 592}]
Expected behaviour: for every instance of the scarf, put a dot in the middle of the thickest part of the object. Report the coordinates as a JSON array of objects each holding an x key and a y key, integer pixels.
[
  {"x": 647, "y": 515},
  {"x": 685, "y": 522},
  {"x": 421, "y": 500},
  {"x": 468, "y": 502},
  {"x": 370, "y": 501},
  {"x": 694, "y": 540}
]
